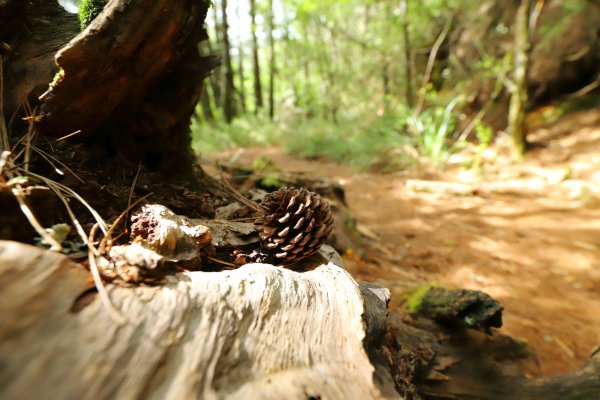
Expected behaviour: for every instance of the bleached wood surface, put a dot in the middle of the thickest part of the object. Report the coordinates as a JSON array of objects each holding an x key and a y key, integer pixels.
[{"x": 259, "y": 332}]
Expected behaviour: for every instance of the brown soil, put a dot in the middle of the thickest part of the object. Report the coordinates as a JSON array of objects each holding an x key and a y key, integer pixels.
[{"x": 527, "y": 234}]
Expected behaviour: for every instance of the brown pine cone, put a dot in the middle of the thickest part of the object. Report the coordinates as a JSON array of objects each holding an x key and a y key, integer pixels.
[{"x": 294, "y": 225}]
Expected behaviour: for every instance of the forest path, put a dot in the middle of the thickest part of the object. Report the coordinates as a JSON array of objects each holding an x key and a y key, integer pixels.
[{"x": 527, "y": 234}]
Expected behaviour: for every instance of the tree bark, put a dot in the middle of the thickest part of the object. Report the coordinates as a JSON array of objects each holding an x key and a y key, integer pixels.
[
  {"x": 32, "y": 34},
  {"x": 241, "y": 68},
  {"x": 518, "y": 101},
  {"x": 214, "y": 47},
  {"x": 271, "y": 19},
  {"x": 408, "y": 70},
  {"x": 258, "y": 97},
  {"x": 259, "y": 332},
  {"x": 228, "y": 84},
  {"x": 206, "y": 106},
  {"x": 242, "y": 78},
  {"x": 129, "y": 82}
]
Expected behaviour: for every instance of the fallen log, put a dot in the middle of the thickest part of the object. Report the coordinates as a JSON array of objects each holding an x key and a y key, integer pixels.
[
  {"x": 259, "y": 332},
  {"x": 256, "y": 332}
]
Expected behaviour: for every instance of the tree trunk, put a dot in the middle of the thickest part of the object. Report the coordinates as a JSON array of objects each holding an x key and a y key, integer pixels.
[
  {"x": 408, "y": 70},
  {"x": 207, "y": 111},
  {"x": 518, "y": 100},
  {"x": 31, "y": 44},
  {"x": 139, "y": 113},
  {"x": 214, "y": 47},
  {"x": 258, "y": 97},
  {"x": 241, "y": 74},
  {"x": 228, "y": 85},
  {"x": 242, "y": 90},
  {"x": 271, "y": 18}
]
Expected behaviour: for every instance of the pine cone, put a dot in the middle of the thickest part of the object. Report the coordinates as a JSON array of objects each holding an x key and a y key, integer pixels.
[{"x": 294, "y": 225}]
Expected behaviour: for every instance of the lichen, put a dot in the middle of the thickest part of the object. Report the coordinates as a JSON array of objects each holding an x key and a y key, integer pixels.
[{"x": 88, "y": 10}]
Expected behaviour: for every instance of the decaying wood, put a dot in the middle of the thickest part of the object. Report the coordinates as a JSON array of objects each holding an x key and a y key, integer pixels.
[
  {"x": 33, "y": 32},
  {"x": 132, "y": 80},
  {"x": 259, "y": 332},
  {"x": 470, "y": 365},
  {"x": 129, "y": 82},
  {"x": 172, "y": 236},
  {"x": 469, "y": 308}
]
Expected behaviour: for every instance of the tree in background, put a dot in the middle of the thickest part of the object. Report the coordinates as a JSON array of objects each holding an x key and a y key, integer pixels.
[
  {"x": 518, "y": 100},
  {"x": 271, "y": 18},
  {"x": 258, "y": 98},
  {"x": 241, "y": 73},
  {"x": 228, "y": 84},
  {"x": 434, "y": 67},
  {"x": 408, "y": 74}
]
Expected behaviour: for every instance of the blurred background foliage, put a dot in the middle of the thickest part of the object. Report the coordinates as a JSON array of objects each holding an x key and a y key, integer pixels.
[{"x": 383, "y": 84}]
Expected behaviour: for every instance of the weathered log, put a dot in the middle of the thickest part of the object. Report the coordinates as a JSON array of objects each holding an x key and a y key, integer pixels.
[
  {"x": 33, "y": 31},
  {"x": 129, "y": 82},
  {"x": 468, "y": 308},
  {"x": 470, "y": 365},
  {"x": 259, "y": 332}
]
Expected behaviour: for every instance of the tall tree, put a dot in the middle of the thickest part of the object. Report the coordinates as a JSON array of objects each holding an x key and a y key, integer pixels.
[
  {"x": 241, "y": 73},
  {"x": 408, "y": 73},
  {"x": 207, "y": 110},
  {"x": 518, "y": 100},
  {"x": 271, "y": 61},
  {"x": 213, "y": 47},
  {"x": 228, "y": 85},
  {"x": 258, "y": 97}
]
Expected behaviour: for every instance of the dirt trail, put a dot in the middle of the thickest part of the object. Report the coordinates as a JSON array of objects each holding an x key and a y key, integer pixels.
[{"x": 527, "y": 234}]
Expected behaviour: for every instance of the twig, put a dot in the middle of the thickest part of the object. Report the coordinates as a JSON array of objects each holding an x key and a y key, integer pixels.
[
  {"x": 69, "y": 135},
  {"x": 73, "y": 193},
  {"x": 564, "y": 347},
  {"x": 585, "y": 90},
  {"x": 54, "y": 245},
  {"x": 115, "y": 314},
  {"x": 4, "y": 144},
  {"x": 108, "y": 234},
  {"x": 430, "y": 62},
  {"x": 74, "y": 220},
  {"x": 222, "y": 262},
  {"x": 133, "y": 183},
  {"x": 500, "y": 82},
  {"x": 49, "y": 158},
  {"x": 535, "y": 15},
  {"x": 238, "y": 196},
  {"x": 30, "y": 134}
]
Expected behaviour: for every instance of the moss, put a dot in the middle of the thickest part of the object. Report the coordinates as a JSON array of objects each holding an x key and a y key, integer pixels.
[
  {"x": 414, "y": 297},
  {"x": 57, "y": 77},
  {"x": 88, "y": 10}
]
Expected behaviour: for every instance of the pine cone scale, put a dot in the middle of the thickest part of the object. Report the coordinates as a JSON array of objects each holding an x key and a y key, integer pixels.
[{"x": 285, "y": 218}]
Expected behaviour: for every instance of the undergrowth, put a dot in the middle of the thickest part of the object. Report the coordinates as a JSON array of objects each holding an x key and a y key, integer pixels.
[
  {"x": 383, "y": 143},
  {"x": 242, "y": 132}
]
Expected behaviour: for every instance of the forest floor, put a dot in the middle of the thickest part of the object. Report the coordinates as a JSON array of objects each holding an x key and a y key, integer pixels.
[{"x": 528, "y": 234}]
